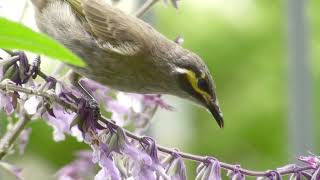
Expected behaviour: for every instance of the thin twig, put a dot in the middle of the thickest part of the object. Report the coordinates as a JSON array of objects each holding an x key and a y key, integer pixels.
[
  {"x": 49, "y": 96},
  {"x": 11, "y": 135},
  {"x": 203, "y": 159},
  {"x": 145, "y": 7}
]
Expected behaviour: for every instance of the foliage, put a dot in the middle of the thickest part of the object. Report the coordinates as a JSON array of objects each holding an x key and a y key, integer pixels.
[{"x": 17, "y": 36}]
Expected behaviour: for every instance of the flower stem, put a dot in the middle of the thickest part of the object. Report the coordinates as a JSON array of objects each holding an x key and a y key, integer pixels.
[{"x": 11, "y": 135}]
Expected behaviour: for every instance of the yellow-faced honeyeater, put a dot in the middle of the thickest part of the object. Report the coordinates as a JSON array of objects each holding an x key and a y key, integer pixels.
[{"x": 126, "y": 53}]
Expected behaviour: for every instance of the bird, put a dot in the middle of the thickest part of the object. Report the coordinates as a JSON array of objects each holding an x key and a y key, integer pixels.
[{"x": 126, "y": 53}]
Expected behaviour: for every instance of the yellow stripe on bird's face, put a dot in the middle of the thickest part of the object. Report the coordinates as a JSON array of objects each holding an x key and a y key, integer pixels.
[{"x": 193, "y": 80}]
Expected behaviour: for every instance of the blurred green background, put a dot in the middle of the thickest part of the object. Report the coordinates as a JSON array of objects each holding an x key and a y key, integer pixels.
[{"x": 244, "y": 43}]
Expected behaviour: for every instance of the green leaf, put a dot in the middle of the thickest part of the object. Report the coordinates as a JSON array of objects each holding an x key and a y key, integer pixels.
[{"x": 17, "y": 36}]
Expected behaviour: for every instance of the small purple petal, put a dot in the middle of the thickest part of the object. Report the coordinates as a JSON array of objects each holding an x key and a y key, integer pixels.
[
  {"x": 120, "y": 112},
  {"x": 88, "y": 113},
  {"x": 93, "y": 85},
  {"x": 102, "y": 155},
  {"x": 108, "y": 170},
  {"x": 316, "y": 174},
  {"x": 24, "y": 139},
  {"x": 236, "y": 174},
  {"x": 60, "y": 123},
  {"x": 6, "y": 103},
  {"x": 176, "y": 169},
  {"x": 157, "y": 101},
  {"x": 66, "y": 92},
  {"x": 213, "y": 171},
  {"x": 274, "y": 175},
  {"x": 143, "y": 173},
  {"x": 151, "y": 149},
  {"x": 137, "y": 155},
  {"x": 312, "y": 160},
  {"x": 99, "y": 91},
  {"x": 296, "y": 176},
  {"x": 142, "y": 163},
  {"x": 201, "y": 170},
  {"x": 306, "y": 175},
  {"x": 78, "y": 169}
]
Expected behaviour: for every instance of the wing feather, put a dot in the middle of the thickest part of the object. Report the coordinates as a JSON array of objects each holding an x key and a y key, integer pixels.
[{"x": 115, "y": 30}]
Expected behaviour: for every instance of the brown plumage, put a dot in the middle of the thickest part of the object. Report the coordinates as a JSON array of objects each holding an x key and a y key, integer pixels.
[{"x": 126, "y": 53}]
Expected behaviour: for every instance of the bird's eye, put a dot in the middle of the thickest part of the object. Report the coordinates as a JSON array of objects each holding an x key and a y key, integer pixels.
[{"x": 202, "y": 84}]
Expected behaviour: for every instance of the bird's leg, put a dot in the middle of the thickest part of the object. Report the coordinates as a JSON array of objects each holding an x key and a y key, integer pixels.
[
  {"x": 75, "y": 80},
  {"x": 91, "y": 102}
]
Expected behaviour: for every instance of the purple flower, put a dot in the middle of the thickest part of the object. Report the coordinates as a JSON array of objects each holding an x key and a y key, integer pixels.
[
  {"x": 24, "y": 139},
  {"x": 93, "y": 85},
  {"x": 108, "y": 168},
  {"x": 125, "y": 107},
  {"x": 66, "y": 92},
  {"x": 88, "y": 114},
  {"x": 121, "y": 113},
  {"x": 121, "y": 107},
  {"x": 60, "y": 122},
  {"x": 136, "y": 155},
  {"x": 210, "y": 170},
  {"x": 142, "y": 164},
  {"x": 175, "y": 168},
  {"x": 104, "y": 145},
  {"x": 312, "y": 160},
  {"x": 6, "y": 102},
  {"x": 274, "y": 175},
  {"x": 19, "y": 73},
  {"x": 79, "y": 169},
  {"x": 296, "y": 176},
  {"x": 156, "y": 100},
  {"x": 316, "y": 174},
  {"x": 236, "y": 174},
  {"x": 214, "y": 170}
]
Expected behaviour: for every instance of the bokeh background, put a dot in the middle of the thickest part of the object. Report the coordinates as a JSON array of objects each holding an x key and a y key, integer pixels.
[{"x": 245, "y": 45}]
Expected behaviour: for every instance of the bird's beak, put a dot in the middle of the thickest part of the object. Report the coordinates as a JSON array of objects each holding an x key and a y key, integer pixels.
[{"x": 213, "y": 107}]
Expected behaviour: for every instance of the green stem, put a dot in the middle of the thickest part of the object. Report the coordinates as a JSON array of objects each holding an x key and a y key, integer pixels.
[{"x": 11, "y": 135}]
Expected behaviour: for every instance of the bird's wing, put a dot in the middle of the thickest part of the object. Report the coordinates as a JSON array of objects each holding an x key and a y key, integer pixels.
[{"x": 114, "y": 30}]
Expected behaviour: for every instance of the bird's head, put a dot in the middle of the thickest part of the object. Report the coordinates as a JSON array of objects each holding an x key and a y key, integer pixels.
[{"x": 196, "y": 84}]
